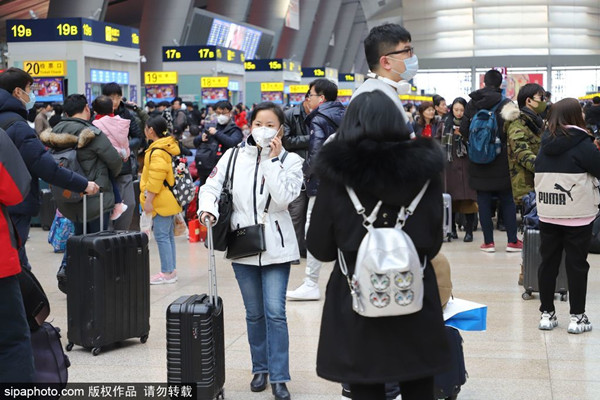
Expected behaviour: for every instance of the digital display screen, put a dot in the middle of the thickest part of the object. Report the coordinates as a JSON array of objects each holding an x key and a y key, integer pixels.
[
  {"x": 296, "y": 98},
  {"x": 48, "y": 89},
  {"x": 234, "y": 36},
  {"x": 107, "y": 76},
  {"x": 214, "y": 95},
  {"x": 274, "y": 97},
  {"x": 158, "y": 93}
]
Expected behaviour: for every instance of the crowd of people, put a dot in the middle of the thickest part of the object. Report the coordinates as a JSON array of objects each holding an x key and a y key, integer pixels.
[{"x": 291, "y": 169}]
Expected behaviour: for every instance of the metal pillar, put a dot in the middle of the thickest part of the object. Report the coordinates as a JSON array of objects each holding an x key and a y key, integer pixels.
[
  {"x": 293, "y": 43},
  {"x": 78, "y": 9},
  {"x": 318, "y": 44},
  {"x": 269, "y": 14},
  {"x": 342, "y": 31}
]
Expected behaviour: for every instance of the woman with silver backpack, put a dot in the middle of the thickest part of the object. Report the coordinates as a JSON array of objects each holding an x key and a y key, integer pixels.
[{"x": 378, "y": 212}]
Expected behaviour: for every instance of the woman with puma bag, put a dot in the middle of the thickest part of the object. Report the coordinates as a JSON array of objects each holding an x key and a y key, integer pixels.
[
  {"x": 373, "y": 157},
  {"x": 567, "y": 169}
]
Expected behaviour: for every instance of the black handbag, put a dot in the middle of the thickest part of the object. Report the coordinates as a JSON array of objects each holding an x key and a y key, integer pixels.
[
  {"x": 222, "y": 227},
  {"x": 246, "y": 242}
]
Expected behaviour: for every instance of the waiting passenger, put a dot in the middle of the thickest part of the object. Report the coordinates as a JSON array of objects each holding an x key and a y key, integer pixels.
[
  {"x": 567, "y": 170},
  {"x": 372, "y": 153},
  {"x": 427, "y": 124},
  {"x": 264, "y": 171}
]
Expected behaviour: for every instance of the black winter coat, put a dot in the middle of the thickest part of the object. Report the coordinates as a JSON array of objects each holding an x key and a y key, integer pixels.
[
  {"x": 356, "y": 349},
  {"x": 494, "y": 176},
  {"x": 208, "y": 153},
  {"x": 322, "y": 123},
  {"x": 296, "y": 136},
  {"x": 39, "y": 162},
  {"x": 136, "y": 137}
]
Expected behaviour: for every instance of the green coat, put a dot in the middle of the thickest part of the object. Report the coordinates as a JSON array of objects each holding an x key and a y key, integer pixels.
[
  {"x": 97, "y": 157},
  {"x": 523, "y": 146}
]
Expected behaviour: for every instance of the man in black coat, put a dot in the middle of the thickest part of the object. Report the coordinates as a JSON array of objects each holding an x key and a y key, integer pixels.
[
  {"x": 214, "y": 141},
  {"x": 15, "y": 97},
  {"x": 493, "y": 179},
  {"x": 592, "y": 113},
  {"x": 296, "y": 138},
  {"x": 129, "y": 169},
  {"x": 324, "y": 119}
]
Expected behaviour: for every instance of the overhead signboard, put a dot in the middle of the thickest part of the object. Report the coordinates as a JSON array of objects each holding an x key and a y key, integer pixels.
[
  {"x": 160, "y": 77},
  {"x": 108, "y": 76},
  {"x": 214, "y": 81},
  {"x": 70, "y": 29},
  {"x": 344, "y": 92},
  {"x": 276, "y": 64},
  {"x": 45, "y": 68},
  {"x": 299, "y": 89},
  {"x": 202, "y": 53},
  {"x": 346, "y": 77}
]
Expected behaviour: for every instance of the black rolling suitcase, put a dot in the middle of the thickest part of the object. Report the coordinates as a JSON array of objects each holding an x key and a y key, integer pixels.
[
  {"x": 447, "y": 385},
  {"x": 47, "y": 210},
  {"x": 195, "y": 339},
  {"x": 108, "y": 287},
  {"x": 531, "y": 264}
]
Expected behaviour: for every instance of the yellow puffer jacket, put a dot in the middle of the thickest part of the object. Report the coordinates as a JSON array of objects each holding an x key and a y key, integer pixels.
[{"x": 157, "y": 170}]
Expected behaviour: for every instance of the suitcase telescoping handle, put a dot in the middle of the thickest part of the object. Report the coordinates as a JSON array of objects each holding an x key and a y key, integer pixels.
[
  {"x": 85, "y": 196},
  {"x": 212, "y": 264}
]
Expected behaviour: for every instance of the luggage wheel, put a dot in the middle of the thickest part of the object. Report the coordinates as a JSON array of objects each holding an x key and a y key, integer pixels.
[
  {"x": 527, "y": 296},
  {"x": 69, "y": 346},
  {"x": 563, "y": 297},
  {"x": 96, "y": 351},
  {"x": 144, "y": 338}
]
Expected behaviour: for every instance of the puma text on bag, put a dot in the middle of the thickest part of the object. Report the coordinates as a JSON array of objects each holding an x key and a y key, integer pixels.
[
  {"x": 484, "y": 143},
  {"x": 183, "y": 189},
  {"x": 388, "y": 275}
]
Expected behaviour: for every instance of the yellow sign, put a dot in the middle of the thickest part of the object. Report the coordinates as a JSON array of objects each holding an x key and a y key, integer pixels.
[
  {"x": 271, "y": 87},
  {"x": 249, "y": 66},
  {"x": 214, "y": 81},
  {"x": 415, "y": 98},
  {"x": 160, "y": 77},
  {"x": 45, "y": 68},
  {"x": 344, "y": 92},
  {"x": 589, "y": 96},
  {"x": 299, "y": 88}
]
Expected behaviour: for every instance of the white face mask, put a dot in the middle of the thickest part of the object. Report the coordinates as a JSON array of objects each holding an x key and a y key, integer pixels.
[
  {"x": 222, "y": 119},
  {"x": 263, "y": 135}
]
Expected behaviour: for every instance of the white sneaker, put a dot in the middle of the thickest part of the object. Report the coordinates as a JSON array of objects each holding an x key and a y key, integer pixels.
[
  {"x": 309, "y": 290},
  {"x": 579, "y": 324},
  {"x": 548, "y": 321}
]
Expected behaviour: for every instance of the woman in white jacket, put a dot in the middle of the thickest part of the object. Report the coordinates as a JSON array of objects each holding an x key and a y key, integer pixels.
[{"x": 262, "y": 168}]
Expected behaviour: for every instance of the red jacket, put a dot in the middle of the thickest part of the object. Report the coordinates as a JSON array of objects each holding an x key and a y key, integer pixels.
[
  {"x": 15, "y": 182},
  {"x": 240, "y": 119}
]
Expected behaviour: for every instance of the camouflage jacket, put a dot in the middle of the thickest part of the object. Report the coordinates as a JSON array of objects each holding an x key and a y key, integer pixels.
[{"x": 523, "y": 145}]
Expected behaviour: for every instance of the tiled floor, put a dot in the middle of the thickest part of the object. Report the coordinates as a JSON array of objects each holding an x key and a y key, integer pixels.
[{"x": 511, "y": 360}]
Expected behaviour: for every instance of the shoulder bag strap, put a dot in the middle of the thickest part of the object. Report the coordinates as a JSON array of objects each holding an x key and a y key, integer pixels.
[
  {"x": 407, "y": 212},
  {"x": 360, "y": 210},
  {"x": 228, "y": 182},
  {"x": 266, "y": 210}
]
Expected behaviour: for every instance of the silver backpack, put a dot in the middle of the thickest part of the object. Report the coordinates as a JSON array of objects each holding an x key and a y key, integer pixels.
[{"x": 388, "y": 275}]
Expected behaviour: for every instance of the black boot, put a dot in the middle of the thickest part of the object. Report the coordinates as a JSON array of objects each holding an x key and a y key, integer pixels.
[
  {"x": 259, "y": 382},
  {"x": 280, "y": 391}
]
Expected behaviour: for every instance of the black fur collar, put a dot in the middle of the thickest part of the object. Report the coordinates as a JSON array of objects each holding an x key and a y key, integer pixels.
[{"x": 381, "y": 166}]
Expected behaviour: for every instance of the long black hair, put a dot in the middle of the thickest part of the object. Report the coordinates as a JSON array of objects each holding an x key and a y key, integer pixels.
[{"x": 373, "y": 115}]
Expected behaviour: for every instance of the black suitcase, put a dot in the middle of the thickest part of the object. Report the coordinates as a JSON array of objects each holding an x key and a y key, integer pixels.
[
  {"x": 108, "y": 288},
  {"x": 447, "y": 385},
  {"x": 531, "y": 264},
  {"x": 51, "y": 363},
  {"x": 196, "y": 340},
  {"x": 47, "y": 210}
]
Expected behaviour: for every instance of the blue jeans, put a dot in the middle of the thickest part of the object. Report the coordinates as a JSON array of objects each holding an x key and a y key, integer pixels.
[
  {"x": 507, "y": 209},
  {"x": 92, "y": 227},
  {"x": 165, "y": 239},
  {"x": 16, "y": 355},
  {"x": 263, "y": 290}
]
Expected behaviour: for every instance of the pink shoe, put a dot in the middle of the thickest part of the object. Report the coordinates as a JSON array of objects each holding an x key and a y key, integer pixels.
[
  {"x": 488, "y": 247},
  {"x": 515, "y": 247},
  {"x": 119, "y": 209},
  {"x": 162, "y": 278}
]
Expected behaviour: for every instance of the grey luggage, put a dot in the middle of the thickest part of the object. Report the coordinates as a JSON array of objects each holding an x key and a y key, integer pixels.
[
  {"x": 447, "y": 227},
  {"x": 531, "y": 264}
]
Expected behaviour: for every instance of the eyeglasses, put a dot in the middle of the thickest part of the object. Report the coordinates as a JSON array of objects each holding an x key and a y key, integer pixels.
[
  {"x": 410, "y": 51},
  {"x": 542, "y": 98},
  {"x": 310, "y": 95}
]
